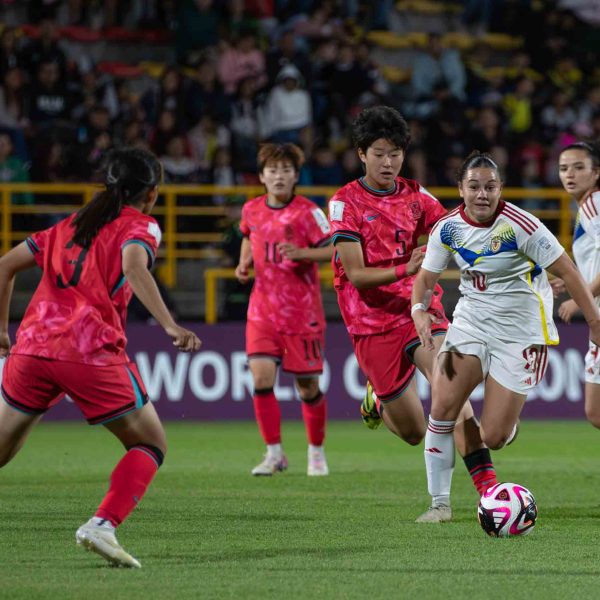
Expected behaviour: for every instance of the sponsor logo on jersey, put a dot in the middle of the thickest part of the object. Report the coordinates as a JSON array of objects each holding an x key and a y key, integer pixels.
[{"x": 336, "y": 210}]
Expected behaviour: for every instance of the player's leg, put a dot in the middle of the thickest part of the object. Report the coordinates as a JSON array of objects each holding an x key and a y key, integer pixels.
[
  {"x": 454, "y": 378},
  {"x": 314, "y": 413},
  {"x": 592, "y": 384},
  {"x": 403, "y": 414},
  {"x": 15, "y": 426},
  {"x": 467, "y": 436},
  {"x": 264, "y": 349}
]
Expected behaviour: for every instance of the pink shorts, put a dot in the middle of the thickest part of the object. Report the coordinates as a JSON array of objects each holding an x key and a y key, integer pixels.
[
  {"x": 299, "y": 354},
  {"x": 386, "y": 358},
  {"x": 32, "y": 385}
]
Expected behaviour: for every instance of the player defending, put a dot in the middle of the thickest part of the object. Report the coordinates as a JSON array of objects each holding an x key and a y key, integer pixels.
[
  {"x": 376, "y": 222},
  {"x": 72, "y": 340},
  {"x": 502, "y": 325},
  {"x": 579, "y": 170},
  {"x": 285, "y": 235}
]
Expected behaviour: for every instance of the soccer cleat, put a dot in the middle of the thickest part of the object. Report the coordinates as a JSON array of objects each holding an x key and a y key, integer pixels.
[
  {"x": 101, "y": 539},
  {"x": 270, "y": 465},
  {"x": 317, "y": 463},
  {"x": 436, "y": 514},
  {"x": 368, "y": 409}
]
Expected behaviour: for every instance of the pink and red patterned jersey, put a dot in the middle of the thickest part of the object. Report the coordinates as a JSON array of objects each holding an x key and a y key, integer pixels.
[
  {"x": 387, "y": 225},
  {"x": 78, "y": 311},
  {"x": 286, "y": 293}
]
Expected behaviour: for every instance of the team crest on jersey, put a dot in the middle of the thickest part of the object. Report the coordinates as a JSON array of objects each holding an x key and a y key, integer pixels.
[
  {"x": 416, "y": 210},
  {"x": 495, "y": 244}
]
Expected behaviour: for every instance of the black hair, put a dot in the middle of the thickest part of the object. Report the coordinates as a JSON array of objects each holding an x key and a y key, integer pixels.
[
  {"x": 379, "y": 122},
  {"x": 476, "y": 160},
  {"x": 591, "y": 148},
  {"x": 130, "y": 173}
]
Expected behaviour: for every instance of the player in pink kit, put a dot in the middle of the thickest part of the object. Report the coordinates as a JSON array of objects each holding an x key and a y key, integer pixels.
[
  {"x": 72, "y": 340},
  {"x": 285, "y": 235},
  {"x": 376, "y": 222}
]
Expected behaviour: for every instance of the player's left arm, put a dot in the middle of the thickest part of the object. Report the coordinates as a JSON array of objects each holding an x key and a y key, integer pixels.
[
  {"x": 18, "y": 259},
  {"x": 421, "y": 297},
  {"x": 316, "y": 232},
  {"x": 320, "y": 254}
]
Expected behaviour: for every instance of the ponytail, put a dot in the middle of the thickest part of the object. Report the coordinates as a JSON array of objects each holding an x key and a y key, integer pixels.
[{"x": 130, "y": 175}]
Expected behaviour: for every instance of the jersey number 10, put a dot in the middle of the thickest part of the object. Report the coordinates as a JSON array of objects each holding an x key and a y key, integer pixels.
[{"x": 479, "y": 282}]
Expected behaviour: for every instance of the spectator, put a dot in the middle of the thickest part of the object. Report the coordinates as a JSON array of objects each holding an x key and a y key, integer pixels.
[
  {"x": 204, "y": 139},
  {"x": 50, "y": 100},
  {"x": 46, "y": 49},
  {"x": 197, "y": 28},
  {"x": 587, "y": 109},
  {"x": 221, "y": 172},
  {"x": 169, "y": 95},
  {"x": 241, "y": 60},
  {"x": 325, "y": 168},
  {"x": 94, "y": 89},
  {"x": 288, "y": 110},
  {"x": 14, "y": 109},
  {"x": 351, "y": 166},
  {"x": 178, "y": 166},
  {"x": 238, "y": 20},
  {"x": 13, "y": 170},
  {"x": 557, "y": 117},
  {"x": 487, "y": 130},
  {"x": 434, "y": 68},
  {"x": 287, "y": 51},
  {"x": 518, "y": 106},
  {"x": 10, "y": 55},
  {"x": 206, "y": 95},
  {"x": 166, "y": 129},
  {"x": 244, "y": 126}
]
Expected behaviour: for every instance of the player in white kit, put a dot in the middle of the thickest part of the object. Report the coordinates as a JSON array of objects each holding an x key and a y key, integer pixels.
[
  {"x": 579, "y": 170},
  {"x": 503, "y": 323}
]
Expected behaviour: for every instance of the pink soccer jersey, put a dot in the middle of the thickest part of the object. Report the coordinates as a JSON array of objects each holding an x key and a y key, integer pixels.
[
  {"x": 387, "y": 225},
  {"x": 286, "y": 293},
  {"x": 78, "y": 311}
]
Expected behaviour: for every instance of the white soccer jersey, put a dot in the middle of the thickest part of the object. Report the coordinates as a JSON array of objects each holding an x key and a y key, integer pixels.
[
  {"x": 505, "y": 290},
  {"x": 586, "y": 239}
]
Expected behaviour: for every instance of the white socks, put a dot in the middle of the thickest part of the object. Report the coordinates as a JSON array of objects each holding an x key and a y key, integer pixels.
[
  {"x": 439, "y": 460},
  {"x": 274, "y": 450}
]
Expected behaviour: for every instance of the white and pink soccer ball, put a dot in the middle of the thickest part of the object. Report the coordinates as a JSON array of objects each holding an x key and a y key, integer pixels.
[{"x": 507, "y": 509}]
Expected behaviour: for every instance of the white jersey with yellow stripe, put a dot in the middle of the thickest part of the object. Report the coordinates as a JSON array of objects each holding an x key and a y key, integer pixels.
[
  {"x": 504, "y": 287},
  {"x": 586, "y": 238}
]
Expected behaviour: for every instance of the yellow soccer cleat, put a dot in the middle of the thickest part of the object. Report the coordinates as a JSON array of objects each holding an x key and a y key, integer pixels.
[{"x": 368, "y": 409}]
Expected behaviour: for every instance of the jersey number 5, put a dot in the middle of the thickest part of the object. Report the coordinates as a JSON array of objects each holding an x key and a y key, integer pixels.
[{"x": 76, "y": 271}]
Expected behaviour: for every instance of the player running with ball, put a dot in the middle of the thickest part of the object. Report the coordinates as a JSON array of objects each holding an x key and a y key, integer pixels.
[
  {"x": 376, "y": 222},
  {"x": 502, "y": 326}
]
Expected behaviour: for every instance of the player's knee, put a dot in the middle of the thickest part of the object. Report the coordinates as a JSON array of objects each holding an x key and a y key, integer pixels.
[
  {"x": 494, "y": 440},
  {"x": 413, "y": 438},
  {"x": 311, "y": 396},
  {"x": 593, "y": 416},
  {"x": 262, "y": 382}
]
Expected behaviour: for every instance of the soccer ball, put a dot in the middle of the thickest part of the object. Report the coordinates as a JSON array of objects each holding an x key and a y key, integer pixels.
[{"x": 507, "y": 509}]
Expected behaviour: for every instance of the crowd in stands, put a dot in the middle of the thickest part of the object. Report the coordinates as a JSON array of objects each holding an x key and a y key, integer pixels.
[{"x": 245, "y": 71}]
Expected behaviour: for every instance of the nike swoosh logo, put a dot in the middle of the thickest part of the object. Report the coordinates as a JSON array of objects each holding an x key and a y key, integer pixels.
[{"x": 372, "y": 217}]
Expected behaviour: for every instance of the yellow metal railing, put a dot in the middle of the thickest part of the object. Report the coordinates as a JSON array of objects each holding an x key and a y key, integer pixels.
[{"x": 174, "y": 205}]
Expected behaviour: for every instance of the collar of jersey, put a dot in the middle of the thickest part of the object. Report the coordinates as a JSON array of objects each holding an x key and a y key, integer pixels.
[
  {"x": 375, "y": 192},
  {"x": 489, "y": 223},
  {"x": 278, "y": 207}
]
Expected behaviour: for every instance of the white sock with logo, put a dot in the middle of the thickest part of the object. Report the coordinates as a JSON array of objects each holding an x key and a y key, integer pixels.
[{"x": 439, "y": 460}]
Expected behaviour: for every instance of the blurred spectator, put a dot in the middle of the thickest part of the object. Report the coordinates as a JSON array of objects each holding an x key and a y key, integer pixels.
[
  {"x": 14, "y": 114},
  {"x": 95, "y": 122},
  {"x": 448, "y": 176},
  {"x": 221, "y": 172},
  {"x": 204, "y": 139},
  {"x": 245, "y": 125},
  {"x": 197, "y": 28},
  {"x": 10, "y": 55},
  {"x": 487, "y": 130},
  {"x": 169, "y": 95},
  {"x": 566, "y": 75},
  {"x": 288, "y": 111},
  {"x": 95, "y": 89},
  {"x": 94, "y": 153},
  {"x": 323, "y": 60},
  {"x": 321, "y": 23},
  {"x": 13, "y": 170},
  {"x": 241, "y": 60},
  {"x": 46, "y": 49},
  {"x": 238, "y": 20},
  {"x": 434, "y": 68},
  {"x": 206, "y": 95},
  {"x": 50, "y": 99},
  {"x": 557, "y": 117},
  {"x": 518, "y": 106},
  {"x": 351, "y": 166},
  {"x": 587, "y": 108},
  {"x": 287, "y": 51},
  {"x": 177, "y": 165},
  {"x": 325, "y": 168},
  {"x": 166, "y": 129}
]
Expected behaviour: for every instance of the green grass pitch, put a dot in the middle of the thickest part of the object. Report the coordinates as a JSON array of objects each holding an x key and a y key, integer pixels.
[{"x": 207, "y": 529}]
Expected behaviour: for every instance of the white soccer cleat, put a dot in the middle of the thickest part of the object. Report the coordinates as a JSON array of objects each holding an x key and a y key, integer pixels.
[
  {"x": 271, "y": 465},
  {"x": 101, "y": 539},
  {"x": 436, "y": 514},
  {"x": 317, "y": 463}
]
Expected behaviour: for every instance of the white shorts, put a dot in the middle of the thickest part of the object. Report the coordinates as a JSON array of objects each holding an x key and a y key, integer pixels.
[
  {"x": 517, "y": 366},
  {"x": 592, "y": 364}
]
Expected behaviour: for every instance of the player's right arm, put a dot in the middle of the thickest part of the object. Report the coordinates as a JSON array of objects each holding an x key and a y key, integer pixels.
[
  {"x": 362, "y": 277},
  {"x": 241, "y": 271},
  {"x": 135, "y": 269},
  {"x": 16, "y": 260}
]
